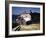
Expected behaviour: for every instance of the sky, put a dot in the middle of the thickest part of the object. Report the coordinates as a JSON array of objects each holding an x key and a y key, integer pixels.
[{"x": 19, "y": 10}]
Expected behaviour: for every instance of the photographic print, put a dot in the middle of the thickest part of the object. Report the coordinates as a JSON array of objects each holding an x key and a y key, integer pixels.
[{"x": 25, "y": 19}]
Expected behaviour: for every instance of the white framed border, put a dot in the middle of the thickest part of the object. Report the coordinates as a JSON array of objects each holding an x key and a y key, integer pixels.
[{"x": 25, "y": 32}]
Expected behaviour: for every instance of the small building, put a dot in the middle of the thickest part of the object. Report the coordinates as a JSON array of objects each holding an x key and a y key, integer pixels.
[{"x": 26, "y": 16}]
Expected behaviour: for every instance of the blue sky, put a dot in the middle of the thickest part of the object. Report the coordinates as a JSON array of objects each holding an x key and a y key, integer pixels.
[{"x": 19, "y": 10}]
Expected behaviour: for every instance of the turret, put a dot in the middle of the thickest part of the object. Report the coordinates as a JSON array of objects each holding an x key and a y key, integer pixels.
[{"x": 30, "y": 12}]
